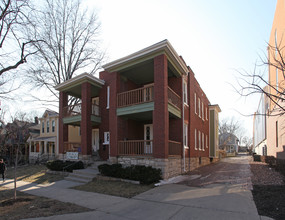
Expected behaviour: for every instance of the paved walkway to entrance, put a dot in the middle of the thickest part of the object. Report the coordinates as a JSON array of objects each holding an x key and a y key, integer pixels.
[{"x": 215, "y": 200}]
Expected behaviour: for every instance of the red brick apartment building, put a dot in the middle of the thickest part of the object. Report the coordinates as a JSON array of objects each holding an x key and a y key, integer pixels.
[{"x": 146, "y": 108}]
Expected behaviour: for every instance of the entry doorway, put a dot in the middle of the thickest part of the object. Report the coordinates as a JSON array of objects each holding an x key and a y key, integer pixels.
[
  {"x": 148, "y": 137},
  {"x": 95, "y": 140}
]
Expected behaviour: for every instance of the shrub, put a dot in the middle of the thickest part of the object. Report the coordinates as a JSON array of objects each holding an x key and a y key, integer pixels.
[
  {"x": 280, "y": 166},
  {"x": 143, "y": 174},
  {"x": 69, "y": 166},
  {"x": 257, "y": 158},
  {"x": 270, "y": 160}
]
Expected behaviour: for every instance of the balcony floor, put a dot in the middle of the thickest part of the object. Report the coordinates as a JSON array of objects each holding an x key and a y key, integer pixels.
[{"x": 76, "y": 120}]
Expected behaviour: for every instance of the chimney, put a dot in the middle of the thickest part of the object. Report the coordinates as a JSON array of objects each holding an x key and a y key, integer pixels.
[{"x": 36, "y": 120}]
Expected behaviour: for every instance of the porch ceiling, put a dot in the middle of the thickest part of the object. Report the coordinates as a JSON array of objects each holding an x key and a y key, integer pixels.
[
  {"x": 163, "y": 47},
  {"x": 73, "y": 86},
  {"x": 143, "y": 73}
]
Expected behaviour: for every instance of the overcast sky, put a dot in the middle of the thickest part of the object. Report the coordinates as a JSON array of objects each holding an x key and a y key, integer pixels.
[{"x": 215, "y": 37}]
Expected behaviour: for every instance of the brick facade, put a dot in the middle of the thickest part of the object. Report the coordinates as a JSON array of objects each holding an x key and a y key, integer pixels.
[{"x": 167, "y": 126}]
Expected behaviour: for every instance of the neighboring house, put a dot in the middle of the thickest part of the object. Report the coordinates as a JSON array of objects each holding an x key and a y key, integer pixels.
[
  {"x": 43, "y": 145},
  {"x": 214, "y": 111},
  {"x": 275, "y": 120},
  {"x": 259, "y": 126},
  {"x": 147, "y": 108},
  {"x": 229, "y": 143},
  {"x": 14, "y": 138}
]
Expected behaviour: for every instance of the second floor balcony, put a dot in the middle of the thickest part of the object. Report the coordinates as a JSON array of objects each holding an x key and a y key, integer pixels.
[
  {"x": 142, "y": 100},
  {"x": 72, "y": 114}
]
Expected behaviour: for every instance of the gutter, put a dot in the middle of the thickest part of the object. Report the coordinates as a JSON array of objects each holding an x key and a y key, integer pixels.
[{"x": 183, "y": 129}]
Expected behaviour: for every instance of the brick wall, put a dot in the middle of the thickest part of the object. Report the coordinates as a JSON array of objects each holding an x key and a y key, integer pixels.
[
  {"x": 195, "y": 121},
  {"x": 160, "y": 113}
]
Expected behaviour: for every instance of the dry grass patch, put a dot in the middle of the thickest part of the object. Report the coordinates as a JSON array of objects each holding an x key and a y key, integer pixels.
[
  {"x": 34, "y": 173},
  {"x": 29, "y": 206},
  {"x": 114, "y": 188}
]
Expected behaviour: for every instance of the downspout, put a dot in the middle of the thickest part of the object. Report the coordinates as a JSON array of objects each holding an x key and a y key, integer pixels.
[{"x": 183, "y": 129}]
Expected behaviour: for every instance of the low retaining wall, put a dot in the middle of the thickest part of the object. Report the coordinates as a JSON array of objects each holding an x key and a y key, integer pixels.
[{"x": 170, "y": 167}]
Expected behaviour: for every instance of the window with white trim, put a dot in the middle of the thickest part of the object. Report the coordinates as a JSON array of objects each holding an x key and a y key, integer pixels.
[
  {"x": 108, "y": 97},
  {"x": 195, "y": 103},
  {"x": 202, "y": 110},
  {"x": 199, "y": 107},
  {"x": 195, "y": 139},
  {"x": 43, "y": 127},
  {"x": 199, "y": 138},
  {"x": 106, "y": 137},
  {"x": 47, "y": 126},
  {"x": 52, "y": 126},
  {"x": 203, "y": 142},
  {"x": 185, "y": 135},
  {"x": 185, "y": 97}
]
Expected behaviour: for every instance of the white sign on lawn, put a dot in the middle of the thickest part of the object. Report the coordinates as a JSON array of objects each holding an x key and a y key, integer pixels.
[{"x": 72, "y": 155}]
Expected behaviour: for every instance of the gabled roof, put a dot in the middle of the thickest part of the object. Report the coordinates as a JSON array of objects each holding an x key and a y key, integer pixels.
[
  {"x": 227, "y": 139},
  {"x": 50, "y": 113},
  {"x": 163, "y": 47}
]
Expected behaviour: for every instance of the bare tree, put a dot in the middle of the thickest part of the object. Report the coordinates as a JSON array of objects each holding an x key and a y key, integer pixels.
[
  {"x": 256, "y": 82},
  {"x": 231, "y": 126},
  {"x": 14, "y": 137},
  {"x": 14, "y": 48},
  {"x": 68, "y": 44}
]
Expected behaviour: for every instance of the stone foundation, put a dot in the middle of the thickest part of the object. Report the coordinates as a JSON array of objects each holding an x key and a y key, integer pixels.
[{"x": 173, "y": 166}]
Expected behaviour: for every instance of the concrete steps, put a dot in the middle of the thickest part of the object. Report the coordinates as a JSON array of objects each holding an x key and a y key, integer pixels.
[{"x": 85, "y": 175}]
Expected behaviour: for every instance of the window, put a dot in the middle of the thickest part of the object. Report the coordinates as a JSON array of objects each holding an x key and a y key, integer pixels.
[
  {"x": 276, "y": 133},
  {"x": 202, "y": 110},
  {"x": 47, "y": 126},
  {"x": 203, "y": 142},
  {"x": 199, "y": 138},
  {"x": 185, "y": 92},
  {"x": 53, "y": 126},
  {"x": 206, "y": 141},
  {"x": 199, "y": 107},
  {"x": 185, "y": 135},
  {"x": 195, "y": 139},
  {"x": 106, "y": 138},
  {"x": 195, "y": 103},
  {"x": 43, "y": 127},
  {"x": 206, "y": 113},
  {"x": 108, "y": 97}
]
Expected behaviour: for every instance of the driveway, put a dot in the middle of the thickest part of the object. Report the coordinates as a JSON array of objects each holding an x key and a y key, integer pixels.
[
  {"x": 230, "y": 171},
  {"x": 216, "y": 191}
]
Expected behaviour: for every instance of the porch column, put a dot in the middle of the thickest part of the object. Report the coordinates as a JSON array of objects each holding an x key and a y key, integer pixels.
[
  {"x": 160, "y": 113},
  {"x": 62, "y": 128},
  {"x": 86, "y": 126},
  {"x": 113, "y": 119}
]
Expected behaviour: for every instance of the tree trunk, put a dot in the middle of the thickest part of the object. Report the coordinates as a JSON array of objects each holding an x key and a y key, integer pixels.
[{"x": 15, "y": 173}]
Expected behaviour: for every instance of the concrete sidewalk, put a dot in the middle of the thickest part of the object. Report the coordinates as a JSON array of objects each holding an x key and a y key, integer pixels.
[{"x": 173, "y": 201}]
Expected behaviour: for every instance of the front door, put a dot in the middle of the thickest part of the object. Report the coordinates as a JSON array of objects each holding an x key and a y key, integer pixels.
[
  {"x": 148, "y": 137},
  {"x": 95, "y": 140}
]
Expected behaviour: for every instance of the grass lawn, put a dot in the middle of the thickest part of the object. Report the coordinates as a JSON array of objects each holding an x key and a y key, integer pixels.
[
  {"x": 34, "y": 174},
  {"x": 114, "y": 188},
  {"x": 29, "y": 206}
]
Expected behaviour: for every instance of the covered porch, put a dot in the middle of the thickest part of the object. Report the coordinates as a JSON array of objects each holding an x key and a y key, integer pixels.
[{"x": 83, "y": 112}]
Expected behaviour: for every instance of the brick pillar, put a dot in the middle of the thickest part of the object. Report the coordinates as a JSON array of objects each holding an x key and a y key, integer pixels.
[
  {"x": 160, "y": 113},
  {"x": 113, "y": 119},
  {"x": 63, "y": 129},
  {"x": 86, "y": 126}
]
